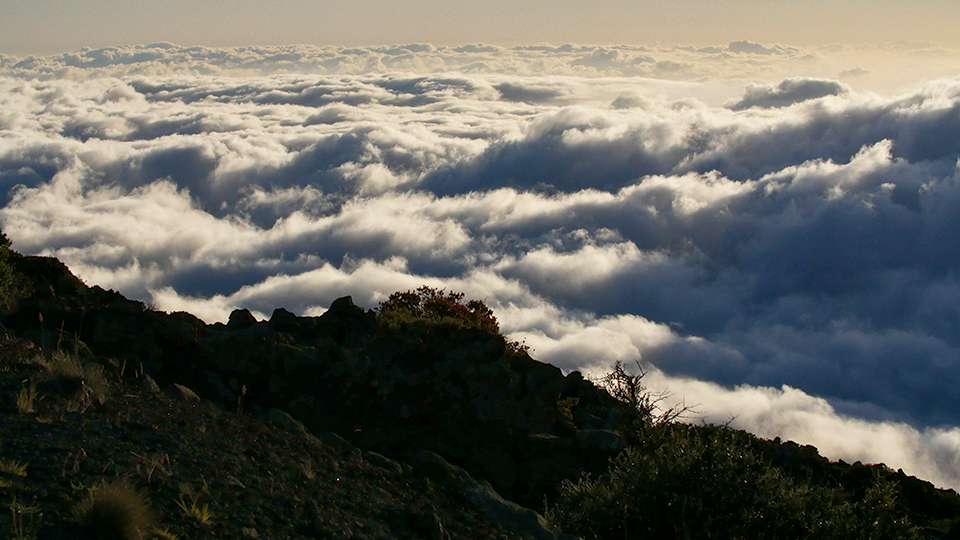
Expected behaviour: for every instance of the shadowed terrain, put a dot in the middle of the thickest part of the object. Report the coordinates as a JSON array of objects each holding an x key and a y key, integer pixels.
[{"x": 353, "y": 424}]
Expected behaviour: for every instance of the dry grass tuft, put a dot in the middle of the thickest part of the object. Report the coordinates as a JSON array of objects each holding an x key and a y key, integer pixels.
[
  {"x": 13, "y": 468},
  {"x": 116, "y": 510},
  {"x": 26, "y": 397}
]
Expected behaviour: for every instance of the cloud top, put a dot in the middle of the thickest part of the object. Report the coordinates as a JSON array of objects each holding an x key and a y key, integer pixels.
[
  {"x": 788, "y": 92},
  {"x": 797, "y": 246},
  {"x": 884, "y": 66}
]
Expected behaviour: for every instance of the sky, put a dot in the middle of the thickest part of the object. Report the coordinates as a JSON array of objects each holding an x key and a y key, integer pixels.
[
  {"x": 53, "y": 26},
  {"x": 760, "y": 213}
]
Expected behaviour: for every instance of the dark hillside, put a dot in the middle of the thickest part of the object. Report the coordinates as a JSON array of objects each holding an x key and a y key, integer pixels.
[
  {"x": 436, "y": 404},
  {"x": 463, "y": 395}
]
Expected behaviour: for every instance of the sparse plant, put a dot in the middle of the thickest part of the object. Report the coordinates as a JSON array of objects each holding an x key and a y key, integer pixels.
[
  {"x": 64, "y": 366},
  {"x": 116, "y": 510},
  {"x": 164, "y": 534},
  {"x": 567, "y": 405},
  {"x": 192, "y": 507},
  {"x": 13, "y": 468},
  {"x": 26, "y": 398},
  {"x": 153, "y": 463},
  {"x": 87, "y": 377},
  {"x": 25, "y": 530},
  {"x": 14, "y": 350},
  {"x": 243, "y": 392},
  {"x": 307, "y": 468},
  {"x": 194, "y": 510},
  {"x": 77, "y": 456},
  {"x": 644, "y": 407}
]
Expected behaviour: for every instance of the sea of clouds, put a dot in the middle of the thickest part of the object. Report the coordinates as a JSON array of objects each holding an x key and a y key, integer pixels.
[{"x": 772, "y": 232}]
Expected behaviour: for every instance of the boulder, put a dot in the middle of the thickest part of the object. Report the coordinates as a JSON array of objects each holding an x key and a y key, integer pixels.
[
  {"x": 178, "y": 392},
  {"x": 149, "y": 385},
  {"x": 286, "y": 422},
  {"x": 484, "y": 499},
  {"x": 601, "y": 441},
  {"x": 383, "y": 462}
]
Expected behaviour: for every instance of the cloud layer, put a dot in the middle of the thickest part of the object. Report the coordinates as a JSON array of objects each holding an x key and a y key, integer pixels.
[
  {"x": 884, "y": 66},
  {"x": 785, "y": 252}
]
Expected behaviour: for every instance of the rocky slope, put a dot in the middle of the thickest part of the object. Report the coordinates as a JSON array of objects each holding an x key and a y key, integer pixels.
[
  {"x": 411, "y": 432},
  {"x": 464, "y": 396},
  {"x": 235, "y": 475}
]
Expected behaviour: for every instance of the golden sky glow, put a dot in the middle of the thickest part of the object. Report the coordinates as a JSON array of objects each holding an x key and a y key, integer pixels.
[{"x": 48, "y": 26}]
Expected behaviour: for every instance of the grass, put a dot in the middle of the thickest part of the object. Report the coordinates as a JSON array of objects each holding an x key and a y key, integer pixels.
[
  {"x": 13, "y": 468},
  {"x": 26, "y": 520},
  {"x": 193, "y": 509},
  {"x": 115, "y": 510},
  {"x": 307, "y": 468},
  {"x": 164, "y": 534},
  {"x": 26, "y": 397},
  {"x": 66, "y": 367}
]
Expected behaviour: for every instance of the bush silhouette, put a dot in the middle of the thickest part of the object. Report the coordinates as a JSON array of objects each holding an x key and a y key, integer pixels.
[
  {"x": 705, "y": 482},
  {"x": 440, "y": 314},
  {"x": 683, "y": 481},
  {"x": 429, "y": 303}
]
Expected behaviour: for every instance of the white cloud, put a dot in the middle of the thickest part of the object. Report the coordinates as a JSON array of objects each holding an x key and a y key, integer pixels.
[
  {"x": 882, "y": 67},
  {"x": 604, "y": 215}
]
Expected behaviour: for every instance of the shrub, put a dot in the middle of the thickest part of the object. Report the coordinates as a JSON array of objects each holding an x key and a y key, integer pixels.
[
  {"x": 6, "y": 271},
  {"x": 680, "y": 481},
  {"x": 705, "y": 482},
  {"x": 429, "y": 303},
  {"x": 116, "y": 510},
  {"x": 439, "y": 313}
]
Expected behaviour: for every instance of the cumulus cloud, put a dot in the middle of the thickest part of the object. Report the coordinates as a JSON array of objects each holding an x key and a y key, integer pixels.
[
  {"x": 788, "y": 92},
  {"x": 884, "y": 66},
  {"x": 794, "y": 252}
]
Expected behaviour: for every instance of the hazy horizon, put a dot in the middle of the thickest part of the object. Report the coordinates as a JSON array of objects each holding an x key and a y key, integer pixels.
[
  {"x": 770, "y": 226},
  {"x": 46, "y": 27}
]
